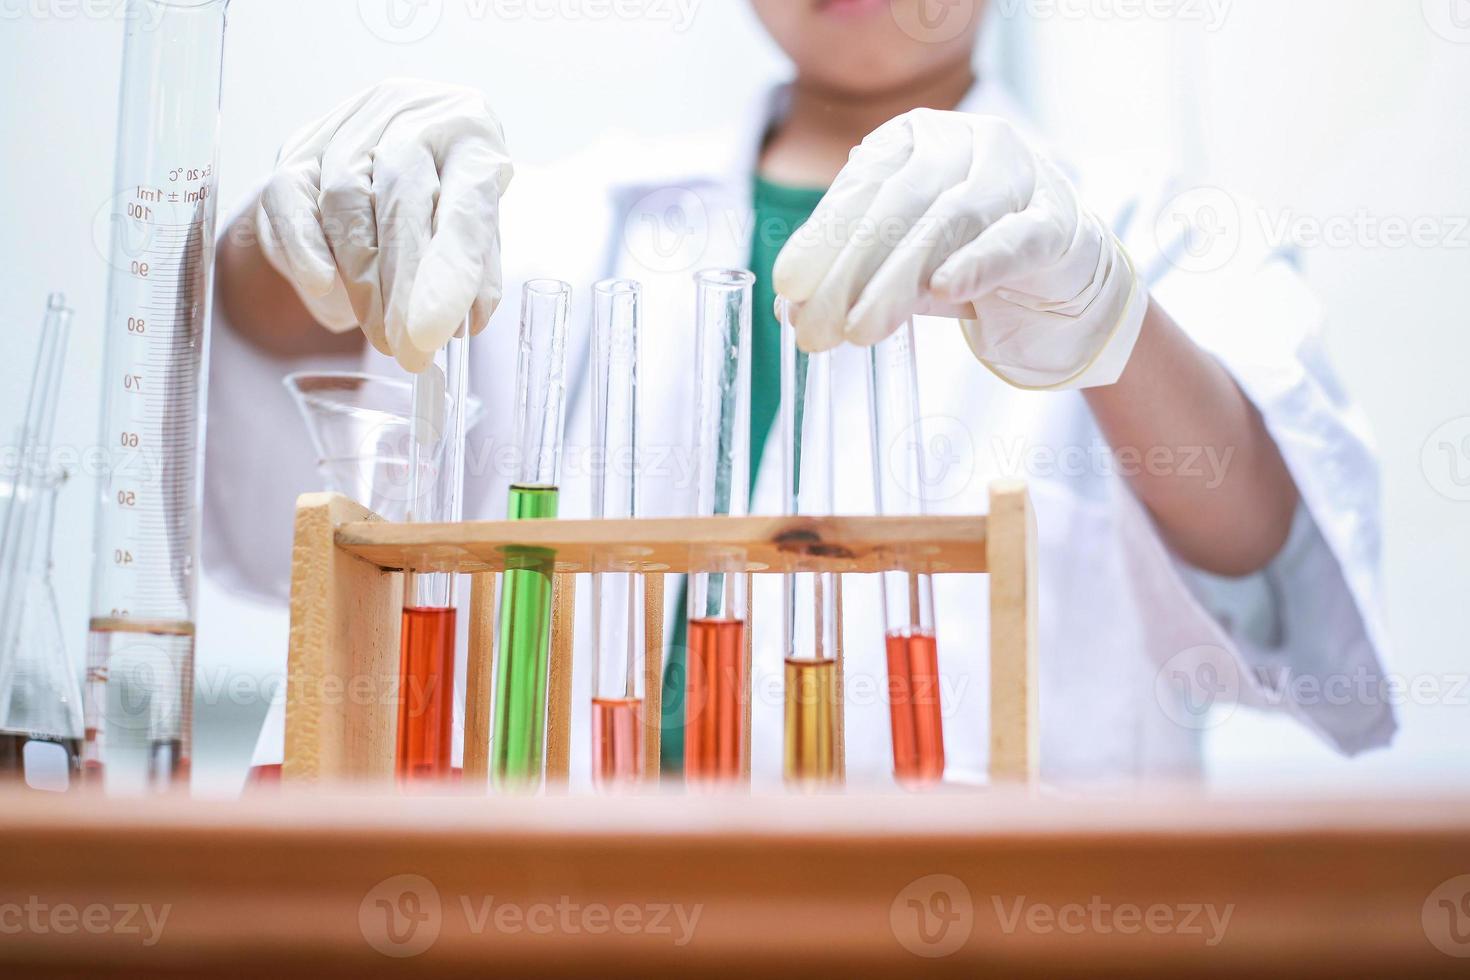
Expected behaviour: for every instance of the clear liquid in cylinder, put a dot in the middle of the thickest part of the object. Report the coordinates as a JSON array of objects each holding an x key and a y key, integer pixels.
[{"x": 139, "y": 697}]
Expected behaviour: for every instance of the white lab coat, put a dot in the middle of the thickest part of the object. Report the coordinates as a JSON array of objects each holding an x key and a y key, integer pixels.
[{"x": 1134, "y": 644}]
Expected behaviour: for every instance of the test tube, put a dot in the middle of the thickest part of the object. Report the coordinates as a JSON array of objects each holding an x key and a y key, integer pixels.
[
  {"x": 617, "y": 596},
  {"x": 436, "y": 490},
  {"x": 518, "y": 739},
  {"x": 908, "y": 594},
  {"x": 717, "y": 678},
  {"x": 810, "y": 607}
]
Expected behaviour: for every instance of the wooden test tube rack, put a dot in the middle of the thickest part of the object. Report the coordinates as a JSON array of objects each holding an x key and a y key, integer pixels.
[{"x": 347, "y": 594}]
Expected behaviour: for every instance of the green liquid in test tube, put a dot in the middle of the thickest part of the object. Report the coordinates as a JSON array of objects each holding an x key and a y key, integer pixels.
[{"x": 518, "y": 739}]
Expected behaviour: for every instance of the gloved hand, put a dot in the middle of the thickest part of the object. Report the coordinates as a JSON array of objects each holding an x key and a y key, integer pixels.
[
  {"x": 950, "y": 214},
  {"x": 385, "y": 215}
]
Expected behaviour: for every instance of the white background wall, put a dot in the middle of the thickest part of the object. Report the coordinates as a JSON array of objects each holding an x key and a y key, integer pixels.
[{"x": 1320, "y": 109}]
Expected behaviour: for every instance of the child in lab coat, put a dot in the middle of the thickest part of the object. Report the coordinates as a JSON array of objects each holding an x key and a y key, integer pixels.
[{"x": 1206, "y": 498}]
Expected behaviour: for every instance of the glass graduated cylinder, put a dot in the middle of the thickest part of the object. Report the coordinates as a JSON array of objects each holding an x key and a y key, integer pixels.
[{"x": 140, "y": 651}]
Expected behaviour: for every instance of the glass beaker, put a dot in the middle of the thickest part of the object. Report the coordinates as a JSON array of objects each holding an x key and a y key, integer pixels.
[{"x": 40, "y": 690}]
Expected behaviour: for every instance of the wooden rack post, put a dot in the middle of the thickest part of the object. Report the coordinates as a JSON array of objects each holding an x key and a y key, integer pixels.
[{"x": 346, "y": 598}]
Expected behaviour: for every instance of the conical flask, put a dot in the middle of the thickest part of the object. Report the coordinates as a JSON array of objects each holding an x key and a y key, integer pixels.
[
  {"x": 40, "y": 690},
  {"x": 359, "y": 426}
]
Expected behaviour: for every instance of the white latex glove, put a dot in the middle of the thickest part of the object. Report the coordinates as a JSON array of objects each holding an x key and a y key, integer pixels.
[
  {"x": 950, "y": 214},
  {"x": 385, "y": 215}
]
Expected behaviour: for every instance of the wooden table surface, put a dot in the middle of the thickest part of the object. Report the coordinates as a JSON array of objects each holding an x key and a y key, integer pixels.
[{"x": 1002, "y": 885}]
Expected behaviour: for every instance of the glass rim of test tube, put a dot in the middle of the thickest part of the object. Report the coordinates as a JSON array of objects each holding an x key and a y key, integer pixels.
[{"x": 541, "y": 384}]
